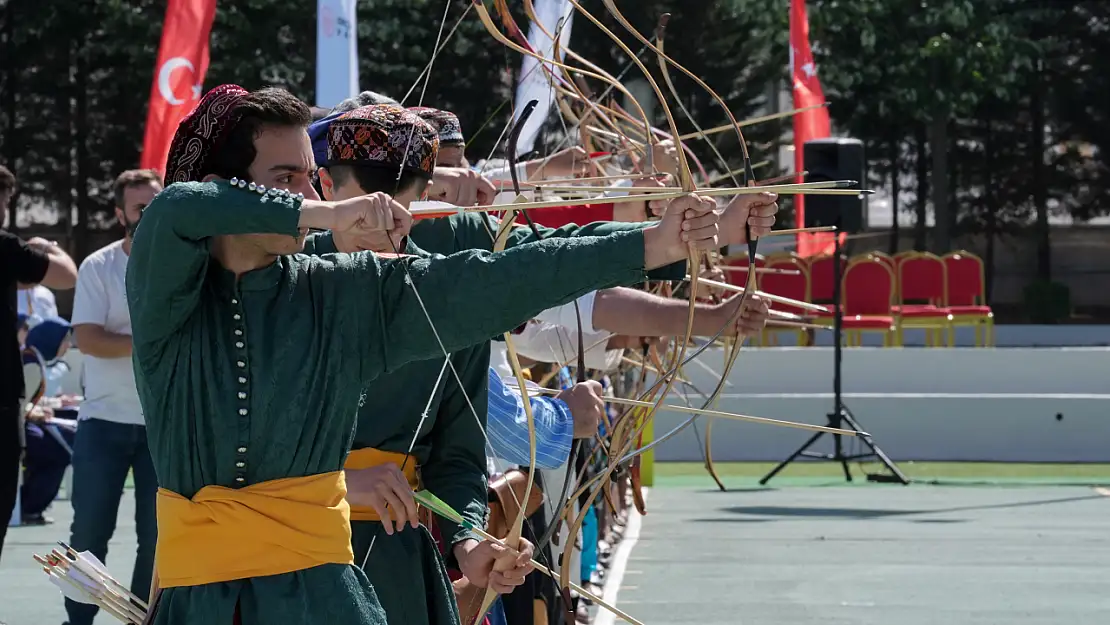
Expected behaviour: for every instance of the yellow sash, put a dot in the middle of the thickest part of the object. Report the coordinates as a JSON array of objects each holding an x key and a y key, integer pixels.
[
  {"x": 223, "y": 534},
  {"x": 370, "y": 457}
]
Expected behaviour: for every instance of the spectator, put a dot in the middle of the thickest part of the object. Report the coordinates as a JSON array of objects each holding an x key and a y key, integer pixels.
[
  {"x": 49, "y": 438},
  {"x": 111, "y": 435},
  {"x": 21, "y": 263}
]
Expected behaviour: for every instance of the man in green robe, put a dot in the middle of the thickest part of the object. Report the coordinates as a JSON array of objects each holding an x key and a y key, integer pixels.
[
  {"x": 450, "y": 413},
  {"x": 450, "y": 448},
  {"x": 250, "y": 358}
]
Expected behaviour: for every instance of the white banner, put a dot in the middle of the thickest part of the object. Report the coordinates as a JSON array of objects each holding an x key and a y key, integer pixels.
[
  {"x": 534, "y": 82},
  {"x": 336, "y": 52}
]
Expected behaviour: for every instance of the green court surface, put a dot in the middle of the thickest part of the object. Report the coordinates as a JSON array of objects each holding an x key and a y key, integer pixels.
[
  {"x": 809, "y": 473},
  {"x": 967, "y": 544},
  {"x": 928, "y": 555}
]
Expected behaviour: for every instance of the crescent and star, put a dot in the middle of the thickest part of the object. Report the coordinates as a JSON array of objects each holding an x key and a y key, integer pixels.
[{"x": 164, "y": 74}]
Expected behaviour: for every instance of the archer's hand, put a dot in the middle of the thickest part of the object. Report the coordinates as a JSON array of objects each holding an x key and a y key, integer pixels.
[
  {"x": 573, "y": 161},
  {"x": 752, "y": 320},
  {"x": 491, "y": 566},
  {"x": 715, "y": 274},
  {"x": 665, "y": 155},
  {"x": 360, "y": 216},
  {"x": 385, "y": 489},
  {"x": 461, "y": 187},
  {"x": 755, "y": 210},
  {"x": 690, "y": 223},
  {"x": 642, "y": 211},
  {"x": 586, "y": 406}
]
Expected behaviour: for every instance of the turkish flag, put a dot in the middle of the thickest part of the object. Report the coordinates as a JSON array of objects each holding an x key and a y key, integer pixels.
[
  {"x": 812, "y": 124},
  {"x": 178, "y": 75}
]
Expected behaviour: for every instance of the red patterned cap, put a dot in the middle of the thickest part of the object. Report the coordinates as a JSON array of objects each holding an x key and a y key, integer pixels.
[{"x": 202, "y": 132}]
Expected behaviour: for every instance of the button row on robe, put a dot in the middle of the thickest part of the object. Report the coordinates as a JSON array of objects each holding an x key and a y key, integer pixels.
[
  {"x": 262, "y": 190},
  {"x": 240, "y": 345}
]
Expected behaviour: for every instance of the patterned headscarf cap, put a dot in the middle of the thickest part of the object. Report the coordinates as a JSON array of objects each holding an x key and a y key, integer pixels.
[
  {"x": 202, "y": 133},
  {"x": 365, "y": 98},
  {"x": 446, "y": 122},
  {"x": 383, "y": 135}
]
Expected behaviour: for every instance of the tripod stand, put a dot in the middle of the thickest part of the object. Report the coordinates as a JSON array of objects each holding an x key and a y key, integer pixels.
[{"x": 841, "y": 416}]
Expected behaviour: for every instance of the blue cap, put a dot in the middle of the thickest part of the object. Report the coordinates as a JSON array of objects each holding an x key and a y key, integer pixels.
[
  {"x": 48, "y": 337},
  {"x": 318, "y": 134}
]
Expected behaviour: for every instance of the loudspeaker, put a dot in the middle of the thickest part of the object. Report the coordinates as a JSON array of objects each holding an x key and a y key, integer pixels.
[{"x": 835, "y": 159}]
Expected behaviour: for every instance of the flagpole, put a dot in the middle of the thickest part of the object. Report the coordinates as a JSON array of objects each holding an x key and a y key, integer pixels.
[{"x": 336, "y": 51}]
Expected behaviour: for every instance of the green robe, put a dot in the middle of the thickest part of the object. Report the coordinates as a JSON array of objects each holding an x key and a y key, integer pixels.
[
  {"x": 406, "y": 568},
  {"x": 296, "y": 343}
]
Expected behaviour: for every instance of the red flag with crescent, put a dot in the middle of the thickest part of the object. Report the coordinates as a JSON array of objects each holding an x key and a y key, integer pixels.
[
  {"x": 178, "y": 75},
  {"x": 812, "y": 124}
]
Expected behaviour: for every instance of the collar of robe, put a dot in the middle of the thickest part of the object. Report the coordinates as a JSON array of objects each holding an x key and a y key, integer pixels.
[{"x": 261, "y": 279}]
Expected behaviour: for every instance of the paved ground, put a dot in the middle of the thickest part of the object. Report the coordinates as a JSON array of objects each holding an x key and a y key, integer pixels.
[
  {"x": 889, "y": 555},
  {"x": 881, "y": 555},
  {"x": 26, "y": 596}
]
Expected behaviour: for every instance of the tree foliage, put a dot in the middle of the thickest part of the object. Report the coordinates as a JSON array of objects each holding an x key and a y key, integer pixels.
[
  {"x": 999, "y": 103},
  {"x": 1002, "y": 91}
]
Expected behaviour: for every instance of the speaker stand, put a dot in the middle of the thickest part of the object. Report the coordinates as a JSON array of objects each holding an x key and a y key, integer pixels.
[{"x": 841, "y": 417}]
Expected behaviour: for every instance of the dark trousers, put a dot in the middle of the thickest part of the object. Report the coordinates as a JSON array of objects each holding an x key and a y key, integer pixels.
[
  {"x": 44, "y": 466},
  {"x": 9, "y": 463},
  {"x": 103, "y": 453}
]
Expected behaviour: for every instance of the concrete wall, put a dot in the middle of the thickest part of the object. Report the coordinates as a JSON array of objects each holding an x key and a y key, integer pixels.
[{"x": 1022, "y": 405}]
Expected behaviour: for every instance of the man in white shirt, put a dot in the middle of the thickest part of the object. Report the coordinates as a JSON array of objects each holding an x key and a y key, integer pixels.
[{"x": 111, "y": 435}]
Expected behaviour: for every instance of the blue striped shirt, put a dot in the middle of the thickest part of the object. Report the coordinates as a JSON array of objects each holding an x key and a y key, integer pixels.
[{"x": 507, "y": 426}]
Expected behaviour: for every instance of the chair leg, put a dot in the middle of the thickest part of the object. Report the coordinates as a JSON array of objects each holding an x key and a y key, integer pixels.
[
  {"x": 978, "y": 335},
  {"x": 951, "y": 332},
  {"x": 990, "y": 332}
]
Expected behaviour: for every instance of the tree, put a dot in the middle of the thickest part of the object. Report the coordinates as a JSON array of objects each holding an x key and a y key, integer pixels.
[{"x": 737, "y": 47}]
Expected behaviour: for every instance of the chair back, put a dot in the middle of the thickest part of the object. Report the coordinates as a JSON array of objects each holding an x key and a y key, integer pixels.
[
  {"x": 922, "y": 279},
  {"x": 886, "y": 258},
  {"x": 867, "y": 287},
  {"x": 822, "y": 278},
  {"x": 740, "y": 278},
  {"x": 965, "y": 279},
  {"x": 779, "y": 256},
  {"x": 900, "y": 256},
  {"x": 795, "y": 287}
]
